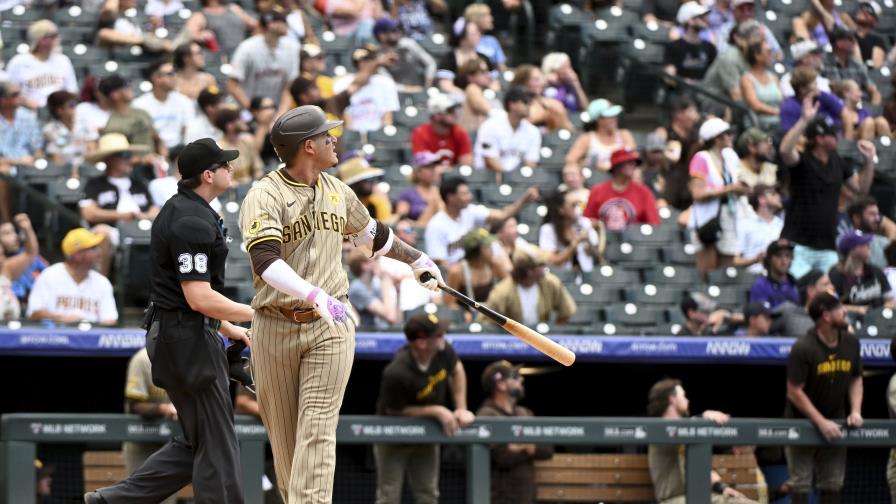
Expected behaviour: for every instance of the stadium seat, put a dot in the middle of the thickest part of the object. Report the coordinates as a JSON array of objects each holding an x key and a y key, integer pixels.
[
  {"x": 526, "y": 177},
  {"x": 390, "y": 136},
  {"x": 592, "y": 294},
  {"x": 436, "y": 45},
  {"x": 44, "y": 172},
  {"x": 654, "y": 33},
  {"x": 610, "y": 275},
  {"x": 732, "y": 297},
  {"x": 787, "y": 8},
  {"x": 682, "y": 255},
  {"x": 132, "y": 266},
  {"x": 878, "y": 323},
  {"x": 629, "y": 255},
  {"x": 666, "y": 274},
  {"x": 650, "y": 294},
  {"x": 632, "y": 315},
  {"x": 654, "y": 235},
  {"x": 560, "y": 139},
  {"x": 731, "y": 276},
  {"x": 455, "y": 315},
  {"x": 410, "y": 116}
]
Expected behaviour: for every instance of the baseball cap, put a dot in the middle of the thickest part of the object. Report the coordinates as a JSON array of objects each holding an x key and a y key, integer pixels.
[
  {"x": 654, "y": 142},
  {"x": 872, "y": 7},
  {"x": 737, "y": 3},
  {"x": 476, "y": 238},
  {"x": 423, "y": 159},
  {"x": 311, "y": 51},
  {"x": 603, "y": 108},
  {"x": 275, "y": 14},
  {"x": 440, "y": 103},
  {"x": 690, "y": 10},
  {"x": 201, "y": 155},
  {"x": 800, "y": 49},
  {"x": 821, "y": 303},
  {"x": 749, "y": 137},
  {"x": 40, "y": 29},
  {"x": 757, "y": 308},
  {"x": 498, "y": 371},
  {"x": 624, "y": 155},
  {"x": 365, "y": 52},
  {"x": 841, "y": 33},
  {"x": 697, "y": 301},
  {"x": 111, "y": 83},
  {"x": 356, "y": 170},
  {"x": 779, "y": 245},
  {"x": 79, "y": 239},
  {"x": 852, "y": 239},
  {"x": 819, "y": 126},
  {"x": 424, "y": 325},
  {"x": 385, "y": 24},
  {"x": 712, "y": 128}
]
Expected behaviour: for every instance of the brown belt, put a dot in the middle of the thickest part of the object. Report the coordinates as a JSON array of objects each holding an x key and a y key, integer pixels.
[{"x": 299, "y": 316}]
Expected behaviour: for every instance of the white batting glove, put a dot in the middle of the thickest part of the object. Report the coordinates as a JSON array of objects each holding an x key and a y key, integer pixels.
[
  {"x": 424, "y": 264},
  {"x": 330, "y": 309}
]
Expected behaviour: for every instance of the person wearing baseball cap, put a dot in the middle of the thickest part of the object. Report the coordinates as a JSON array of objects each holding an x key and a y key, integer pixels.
[
  {"x": 818, "y": 174},
  {"x": 513, "y": 471},
  {"x": 690, "y": 55},
  {"x": 758, "y": 317},
  {"x": 872, "y": 46},
  {"x": 776, "y": 286},
  {"x": 416, "y": 383},
  {"x": 859, "y": 283},
  {"x": 702, "y": 316},
  {"x": 373, "y": 104},
  {"x": 824, "y": 386},
  {"x": 313, "y": 64},
  {"x": 421, "y": 201},
  {"x": 44, "y": 69},
  {"x": 715, "y": 189},
  {"x": 412, "y": 68},
  {"x": 622, "y": 201},
  {"x": 841, "y": 64},
  {"x": 806, "y": 53},
  {"x": 188, "y": 250},
  {"x": 72, "y": 291},
  {"x": 442, "y": 135}
]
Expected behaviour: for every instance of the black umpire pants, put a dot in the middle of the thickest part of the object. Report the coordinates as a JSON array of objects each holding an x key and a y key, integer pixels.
[{"x": 190, "y": 363}]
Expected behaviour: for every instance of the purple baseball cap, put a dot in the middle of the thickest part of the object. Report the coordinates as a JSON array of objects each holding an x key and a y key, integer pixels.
[{"x": 852, "y": 239}]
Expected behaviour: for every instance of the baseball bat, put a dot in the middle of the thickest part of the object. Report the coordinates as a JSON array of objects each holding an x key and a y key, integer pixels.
[{"x": 534, "y": 339}]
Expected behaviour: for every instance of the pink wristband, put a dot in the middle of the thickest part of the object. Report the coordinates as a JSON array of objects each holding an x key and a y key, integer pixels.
[{"x": 311, "y": 295}]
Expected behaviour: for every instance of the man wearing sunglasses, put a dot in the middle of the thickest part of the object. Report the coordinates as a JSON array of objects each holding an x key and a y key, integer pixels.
[
  {"x": 294, "y": 222},
  {"x": 188, "y": 250}
]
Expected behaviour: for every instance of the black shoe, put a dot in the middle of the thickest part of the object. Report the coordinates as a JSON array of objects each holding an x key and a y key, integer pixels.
[{"x": 93, "y": 498}]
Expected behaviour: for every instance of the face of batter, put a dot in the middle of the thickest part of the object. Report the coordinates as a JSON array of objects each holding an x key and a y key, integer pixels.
[{"x": 325, "y": 150}]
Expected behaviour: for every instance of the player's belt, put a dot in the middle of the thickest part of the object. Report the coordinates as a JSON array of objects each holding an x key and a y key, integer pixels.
[{"x": 300, "y": 316}]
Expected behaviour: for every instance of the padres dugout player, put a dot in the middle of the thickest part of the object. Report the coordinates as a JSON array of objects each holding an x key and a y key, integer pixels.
[{"x": 294, "y": 221}]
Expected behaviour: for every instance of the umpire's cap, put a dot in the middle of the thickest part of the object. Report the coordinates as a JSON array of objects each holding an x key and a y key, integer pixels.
[
  {"x": 201, "y": 155},
  {"x": 296, "y": 126}
]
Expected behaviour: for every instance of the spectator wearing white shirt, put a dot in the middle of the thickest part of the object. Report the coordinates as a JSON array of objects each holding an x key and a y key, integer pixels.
[
  {"x": 202, "y": 125},
  {"x": 370, "y": 107},
  {"x": 508, "y": 141},
  {"x": 755, "y": 232},
  {"x": 265, "y": 64},
  {"x": 65, "y": 140},
  {"x": 568, "y": 239},
  {"x": 71, "y": 291},
  {"x": 43, "y": 70},
  {"x": 170, "y": 111},
  {"x": 445, "y": 228},
  {"x": 93, "y": 112}
]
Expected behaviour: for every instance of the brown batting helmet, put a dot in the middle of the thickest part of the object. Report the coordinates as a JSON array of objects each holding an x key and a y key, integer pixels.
[{"x": 296, "y": 126}]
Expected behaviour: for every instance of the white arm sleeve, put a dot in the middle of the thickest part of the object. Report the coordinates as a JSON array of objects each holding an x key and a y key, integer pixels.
[
  {"x": 364, "y": 239},
  {"x": 283, "y": 278}
]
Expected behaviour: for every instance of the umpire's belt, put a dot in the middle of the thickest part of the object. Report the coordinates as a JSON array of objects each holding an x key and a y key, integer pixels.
[{"x": 186, "y": 316}]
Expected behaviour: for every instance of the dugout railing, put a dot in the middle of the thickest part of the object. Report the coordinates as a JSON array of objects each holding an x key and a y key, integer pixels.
[{"x": 22, "y": 432}]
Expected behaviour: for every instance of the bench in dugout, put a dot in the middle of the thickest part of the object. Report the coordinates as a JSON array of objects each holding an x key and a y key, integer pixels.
[{"x": 612, "y": 478}]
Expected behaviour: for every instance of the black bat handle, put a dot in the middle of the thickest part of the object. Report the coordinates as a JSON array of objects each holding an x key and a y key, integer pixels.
[{"x": 488, "y": 312}]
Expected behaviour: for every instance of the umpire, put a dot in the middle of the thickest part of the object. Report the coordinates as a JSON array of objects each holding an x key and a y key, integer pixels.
[{"x": 188, "y": 249}]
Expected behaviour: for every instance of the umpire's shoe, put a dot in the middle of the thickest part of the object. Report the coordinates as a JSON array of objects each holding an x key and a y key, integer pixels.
[{"x": 93, "y": 498}]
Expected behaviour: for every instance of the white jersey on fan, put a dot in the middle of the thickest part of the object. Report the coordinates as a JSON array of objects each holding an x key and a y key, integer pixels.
[
  {"x": 40, "y": 78},
  {"x": 57, "y": 292}
]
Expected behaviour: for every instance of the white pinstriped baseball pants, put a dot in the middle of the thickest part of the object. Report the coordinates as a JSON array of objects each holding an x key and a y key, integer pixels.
[{"x": 301, "y": 371}]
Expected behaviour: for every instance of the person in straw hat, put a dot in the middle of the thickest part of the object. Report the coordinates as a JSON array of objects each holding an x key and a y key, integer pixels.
[{"x": 116, "y": 195}]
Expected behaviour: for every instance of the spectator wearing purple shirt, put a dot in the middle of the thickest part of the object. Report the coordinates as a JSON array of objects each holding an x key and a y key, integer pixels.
[
  {"x": 803, "y": 80},
  {"x": 777, "y": 285},
  {"x": 563, "y": 82},
  {"x": 420, "y": 202}
]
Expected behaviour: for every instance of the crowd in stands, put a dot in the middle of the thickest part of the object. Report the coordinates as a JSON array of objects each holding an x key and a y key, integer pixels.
[{"x": 532, "y": 192}]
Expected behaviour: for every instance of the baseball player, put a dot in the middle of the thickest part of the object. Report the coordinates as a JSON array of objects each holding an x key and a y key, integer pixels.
[{"x": 294, "y": 221}]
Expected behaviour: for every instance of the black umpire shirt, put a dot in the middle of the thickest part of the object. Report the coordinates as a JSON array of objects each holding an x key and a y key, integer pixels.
[{"x": 188, "y": 243}]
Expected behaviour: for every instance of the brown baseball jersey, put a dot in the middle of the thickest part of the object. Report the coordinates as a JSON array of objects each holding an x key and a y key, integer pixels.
[{"x": 310, "y": 224}]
